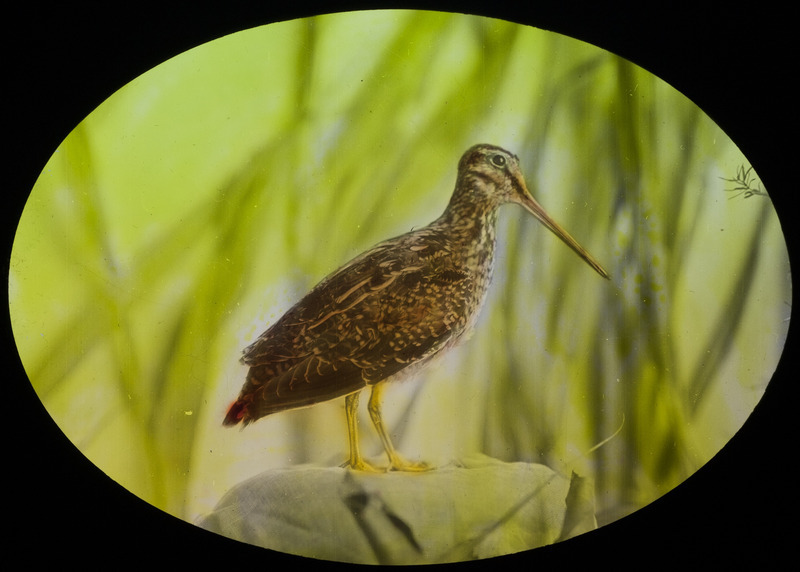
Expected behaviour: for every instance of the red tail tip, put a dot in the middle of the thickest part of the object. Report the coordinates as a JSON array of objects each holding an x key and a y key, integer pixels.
[{"x": 235, "y": 413}]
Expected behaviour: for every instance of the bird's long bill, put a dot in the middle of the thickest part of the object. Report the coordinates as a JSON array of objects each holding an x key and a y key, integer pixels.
[{"x": 536, "y": 210}]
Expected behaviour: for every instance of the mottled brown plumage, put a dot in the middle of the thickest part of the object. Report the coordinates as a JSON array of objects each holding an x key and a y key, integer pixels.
[{"x": 392, "y": 308}]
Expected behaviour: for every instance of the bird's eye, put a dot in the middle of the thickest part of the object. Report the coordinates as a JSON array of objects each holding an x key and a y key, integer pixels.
[{"x": 498, "y": 160}]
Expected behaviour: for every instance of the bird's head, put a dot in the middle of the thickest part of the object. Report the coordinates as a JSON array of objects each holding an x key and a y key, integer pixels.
[{"x": 493, "y": 175}]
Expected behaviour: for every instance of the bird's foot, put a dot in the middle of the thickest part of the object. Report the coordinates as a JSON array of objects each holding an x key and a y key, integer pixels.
[
  {"x": 399, "y": 464},
  {"x": 361, "y": 465}
]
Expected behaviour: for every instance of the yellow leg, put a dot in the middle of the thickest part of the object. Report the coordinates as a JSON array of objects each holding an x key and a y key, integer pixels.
[
  {"x": 351, "y": 410},
  {"x": 396, "y": 462}
]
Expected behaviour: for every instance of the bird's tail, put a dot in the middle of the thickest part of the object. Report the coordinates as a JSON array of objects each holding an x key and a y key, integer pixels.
[{"x": 236, "y": 413}]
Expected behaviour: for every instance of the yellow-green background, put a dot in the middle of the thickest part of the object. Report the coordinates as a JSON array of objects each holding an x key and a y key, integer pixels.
[{"x": 195, "y": 205}]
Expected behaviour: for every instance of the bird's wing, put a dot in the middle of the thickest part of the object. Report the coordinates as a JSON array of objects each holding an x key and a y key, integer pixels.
[
  {"x": 310, "y": 381},
  {"x": 386, "y": 310},
  {"x": 426, "y": 312},
  {"x": 288, "y": 341}
]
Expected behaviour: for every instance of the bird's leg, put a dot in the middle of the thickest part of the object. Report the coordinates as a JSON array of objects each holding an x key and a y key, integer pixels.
[
  {"x": 396, "y": 462},
  {"x": 351, "y": 410}
]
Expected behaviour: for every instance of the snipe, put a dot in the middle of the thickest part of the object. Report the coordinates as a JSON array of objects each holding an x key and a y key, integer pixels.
[{"x": 392, "y": 308}]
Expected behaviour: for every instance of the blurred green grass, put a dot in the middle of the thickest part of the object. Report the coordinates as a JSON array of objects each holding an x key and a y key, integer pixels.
[{"x": 197, "y": 203}]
